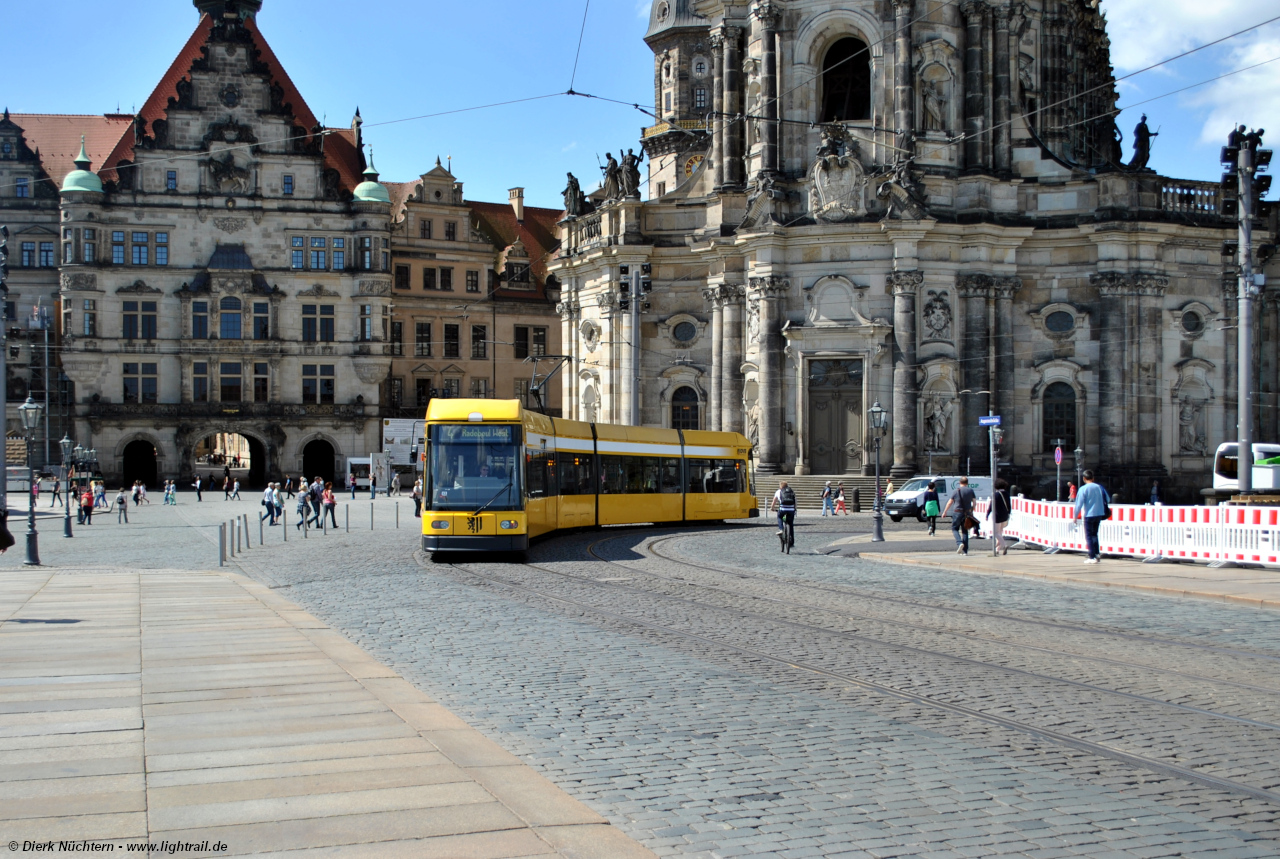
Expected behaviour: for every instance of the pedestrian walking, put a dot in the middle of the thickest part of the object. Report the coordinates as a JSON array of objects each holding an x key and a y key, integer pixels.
[
  {"x": 417, "y": 499},
  {"x": 137, "y": 493},
  {"x": 1093, "y": 504},
  {"x": 235, "y": 489},
  {"x": 122, "y": 507},
  {"x": 394, "y": 487},
  {"x": 35, "y": 491},
  {"x": 226, "y": 489},
  {"x": 1001, "y": 509},
  {"x": 373, "y": 486},
  {"x": 100, "y": 495},
  {"x": 86, "y": 507},
  {"x": 276, "y": 502},
  {"x": 168, "y": 493},
  {"x": 931, "y": 507},
  {"x": 1155, "y": 491},
  {"x": 1071, "y": 493},
  {"x": 840, "y": 508},
  {"x": 962, "y": 520},
  {"x": 302, "y": 509},
  {"x": 57, "y": 493},
  {"x": 330, "y": 502},
  {"x": 199, "y": 494},
  {"x": 142, "y": 494},
  {"x": 888, "y": 490},
  {"x": 828, "y": 500},
  {"x": 288, "y": 486},
  {"x": 351, "y": 484},
  {"x": 269, "y": 503}
]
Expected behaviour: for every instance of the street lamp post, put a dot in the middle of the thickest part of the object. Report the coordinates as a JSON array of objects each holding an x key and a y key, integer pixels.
[
  {"x": 997, "y": 437},
  {"x": 879, "y": 419},
  {"x": 1079, "y": 455},
  {"x": 30, "y": 412},
  {"x": 66, "y": 444}
]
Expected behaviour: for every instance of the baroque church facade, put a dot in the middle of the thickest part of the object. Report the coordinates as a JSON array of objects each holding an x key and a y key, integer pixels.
[{"x": 925, "y": 206}]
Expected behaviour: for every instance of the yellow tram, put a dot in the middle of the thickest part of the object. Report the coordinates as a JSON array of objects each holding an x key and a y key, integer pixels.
[{"x": 497, "y": 475}]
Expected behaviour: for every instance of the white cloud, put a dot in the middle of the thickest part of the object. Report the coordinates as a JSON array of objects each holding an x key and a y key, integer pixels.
[
  {"x": 1249, "y": 97},
  {"x": 643, "y": 7},
  {"x": 1143, "y": 33},
  {"x": 573, "y": 145}
]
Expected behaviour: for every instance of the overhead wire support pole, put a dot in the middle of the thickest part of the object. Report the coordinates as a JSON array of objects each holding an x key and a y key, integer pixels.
[{"x": 634, "y": 287}]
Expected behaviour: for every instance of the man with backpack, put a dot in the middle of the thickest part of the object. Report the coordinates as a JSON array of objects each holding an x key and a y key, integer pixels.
[
  {"x": 1093, "y": 504},
  {"x": 785, "y": 502},
  {"x": 962, "y": 520}
]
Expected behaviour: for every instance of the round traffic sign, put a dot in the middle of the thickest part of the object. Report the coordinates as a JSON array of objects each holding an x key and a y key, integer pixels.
[{"x": 1057, "y": 455}]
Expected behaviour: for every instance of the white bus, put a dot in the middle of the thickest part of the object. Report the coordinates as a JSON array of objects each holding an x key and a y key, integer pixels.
[{"x": 1226, "y": 466}]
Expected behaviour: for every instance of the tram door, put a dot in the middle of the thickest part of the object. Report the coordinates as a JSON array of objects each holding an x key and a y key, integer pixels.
[{"x": 835, "y": 417}]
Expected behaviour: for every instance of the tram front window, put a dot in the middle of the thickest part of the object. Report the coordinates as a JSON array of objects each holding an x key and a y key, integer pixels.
[{"x": 474, "y": 465}]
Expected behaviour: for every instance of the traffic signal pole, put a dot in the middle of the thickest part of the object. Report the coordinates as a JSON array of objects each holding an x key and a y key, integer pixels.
[
  {"x": 1244, "y": 469},
  {"x": 633, "y": 286}
]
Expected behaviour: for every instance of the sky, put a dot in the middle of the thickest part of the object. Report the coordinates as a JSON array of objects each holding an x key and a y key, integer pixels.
[{"x": 402, "y": 60}]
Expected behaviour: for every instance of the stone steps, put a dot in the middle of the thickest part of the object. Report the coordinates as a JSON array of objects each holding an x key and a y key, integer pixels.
[{"x": 808, "y": 488}]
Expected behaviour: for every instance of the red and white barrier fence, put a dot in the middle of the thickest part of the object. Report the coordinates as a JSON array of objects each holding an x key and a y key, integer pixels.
[{"x": 1246, "y": 535}]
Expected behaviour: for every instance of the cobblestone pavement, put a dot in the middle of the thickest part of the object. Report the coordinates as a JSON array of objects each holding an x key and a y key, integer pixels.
[{"x": 715, "y": 698}]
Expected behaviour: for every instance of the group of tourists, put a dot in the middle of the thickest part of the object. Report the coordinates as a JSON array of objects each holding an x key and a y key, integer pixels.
[{"x": 833, "y": 499}]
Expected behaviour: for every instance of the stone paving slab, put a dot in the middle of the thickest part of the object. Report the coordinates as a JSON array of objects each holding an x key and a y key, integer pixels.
[
  {"x": 1253, "y": 586},
  {"x": 193, "y": 706}
]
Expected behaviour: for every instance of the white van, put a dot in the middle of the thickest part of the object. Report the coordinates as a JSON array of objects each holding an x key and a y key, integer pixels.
[
  {"x": 1226, "y": 466},
  {"x": 908, "y": 500}
]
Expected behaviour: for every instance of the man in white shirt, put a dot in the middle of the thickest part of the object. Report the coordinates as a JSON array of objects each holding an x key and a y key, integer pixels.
[{"x": 269, "y": 502}]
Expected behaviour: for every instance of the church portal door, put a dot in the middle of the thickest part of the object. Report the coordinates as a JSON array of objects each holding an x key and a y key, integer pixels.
[{"x": 835, "y": 417}]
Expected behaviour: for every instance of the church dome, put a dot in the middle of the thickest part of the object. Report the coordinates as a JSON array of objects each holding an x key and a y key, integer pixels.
[
  {"x": 666, "y": 15},
  {"x": 371, "y": 190},
  {"x": 82, "y": 179}
]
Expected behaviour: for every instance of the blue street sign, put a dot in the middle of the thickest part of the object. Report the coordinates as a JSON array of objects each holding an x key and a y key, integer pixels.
[
  {"x": 989, "y": 421},
  {"x": 1057, "y": 455}
]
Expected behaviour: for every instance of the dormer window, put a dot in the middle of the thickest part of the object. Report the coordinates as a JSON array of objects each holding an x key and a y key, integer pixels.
[
  {"x": 700, "y": 68},
  {"x": 23, "y": 187}
]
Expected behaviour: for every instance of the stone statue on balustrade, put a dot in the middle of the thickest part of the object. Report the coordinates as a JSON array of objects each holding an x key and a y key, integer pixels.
[
  {"x": 612, "y": 177},
  {"x": 630, "y": 174},
  {"x": 1142, "y": 144}
]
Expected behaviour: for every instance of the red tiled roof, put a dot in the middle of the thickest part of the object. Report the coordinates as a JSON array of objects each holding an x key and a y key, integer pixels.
[
  {"x": 538, "y": 232},
  {"x": 57, "y": 137}
]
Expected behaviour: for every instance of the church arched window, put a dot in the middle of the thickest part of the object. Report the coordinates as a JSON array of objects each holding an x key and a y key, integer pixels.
[
  {"x": 846, "y": 81},
  {"x": 1059, "y": 416},
  {"x": 684, "y": 408}
]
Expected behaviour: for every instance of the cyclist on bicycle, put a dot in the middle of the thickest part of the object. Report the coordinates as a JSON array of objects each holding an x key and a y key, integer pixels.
[{"x": 785, "y": 502}]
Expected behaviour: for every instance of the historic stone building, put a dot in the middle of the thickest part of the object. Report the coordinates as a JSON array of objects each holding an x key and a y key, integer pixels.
[
  {"x": 471, "y": 295},
  {"x": 922, "y": 205},
  {"x": 222, "y": 265}
]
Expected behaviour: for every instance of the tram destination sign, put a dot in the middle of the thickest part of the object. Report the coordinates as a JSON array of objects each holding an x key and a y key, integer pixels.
[{"x": 988, "y": 420}]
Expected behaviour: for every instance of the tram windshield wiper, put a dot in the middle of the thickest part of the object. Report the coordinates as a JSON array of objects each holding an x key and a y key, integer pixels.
[{"x": 507, "y": 488}]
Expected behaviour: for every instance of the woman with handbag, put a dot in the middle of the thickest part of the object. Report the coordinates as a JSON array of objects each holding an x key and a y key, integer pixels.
[
  {"x": 962, "y": 520},
  {"x": 931, "y": 507},
  {"x": 999, "y": 516}
]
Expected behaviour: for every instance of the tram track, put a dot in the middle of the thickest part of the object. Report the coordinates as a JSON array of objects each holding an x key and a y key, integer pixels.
[{"x": 1041, "y": 732}]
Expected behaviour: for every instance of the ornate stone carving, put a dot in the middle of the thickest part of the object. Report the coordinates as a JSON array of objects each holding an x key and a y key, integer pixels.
[
  {"x": 1192, "y": 439},
  {"x": 968, "y": 285},
  {"x": 904, "y": 281},
  {"x": 371, "y": 372},
  {"x": 316, "y": 291},
  {"x": 1112, "y": 283},
  {"x": 228, "y": 131},
  {"x": 901, "y": 194},
  {"x": 837, "y": 182},
  {"x": 85, "y": 281},
  {"x": 936, "y": 315},
  {"x": 185, "y": 96},
  {"x": 1005, "y": 287},
  {"x": 375, "y": 287},
  {"x": 230, "y": 225},
  {"x": 937, "y": 420},
  {"x": 753, "y": 319},
  {"x": 772, "y": 286},
  {"x": 227, "y": 176},
  {"x": 137, "y": 288}
]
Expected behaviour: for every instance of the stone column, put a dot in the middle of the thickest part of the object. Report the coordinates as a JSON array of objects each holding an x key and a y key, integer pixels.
[
  {"x": 715, "y": 403},
  {"x": 769, "y": 291},
  {"x": 1113, "y": 355},
  {"x": 730, "y": 369},
  {"x": 904, "y": 285},
  {"x": 569, "y": 338},
  {"x": 717, "y": 105},
  {"x": 1149, "y": 290},
  {"x": 904, "y": 99},
  {"x": 735, "y": 129},
  {"x": 767, "y": 14},
  {"x": 1006, "y": 366},
  {"x": 975, "y": 13},
  {"x": 1003, "y": 130},
  {"x": 972, "y": 290}
]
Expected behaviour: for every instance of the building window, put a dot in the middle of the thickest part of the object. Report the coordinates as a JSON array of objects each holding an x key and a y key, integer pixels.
[
  {"x": 288, "y": 185},
  {"x": 90, "y": 317},
  {"x": 326, "y": 323},
  {"x": 140, "y": 249},
  {"x": 402, "y": 277},
  {"x": 526, "y": 345},
  {"x": 521, "y": 391},
  {"x": 171, "y": 180},
  {"x": 67, "y": 254},
  {"x": 1059, "y": 416},
  {"x": 366, "y": 322},
  {"x": 428, "y": 278},
  {"x": 130, "y": 321},
  {"x": 117, "y": 247},
  {"x": 90, "y": 252},
  {"x": 446, "y": 279},
  {"x": 23, "y": 188},
  {"x": 699, "y": 68},
  {"x": 200, "y": 382},
  {"x": 229, "y": 383},
  {"x": 539, "y": 342},
  {"x": 424, "y": 228},
  {"x": 395, "y": 393},
  {"x": 700, "y": 98},
  {"x": 310, "y": 328},
  {"x": 846, "y": 82},
  {"x": 684, "y": 408},
  {"x": 521, "y": 344},
  {"x": 386, "y": 260},
  {"x": 47, "y": 258},
  {"x": 423, "y": 391},
  {"x": 451, "y": 341},
  {"x": 317, "y": 323},
  {"x": 366, "y": 253},
  {"x": 162, "y": 248},
  {"x": 261, "y": 382},
  {"x": 479, "y": 344},
  {"x": 318, "y": 384},
  {"x": 450, "y": 231},
  {"x": 422, "y": 340},
  {"x": 261, "y": 320},
  {"x": 140, "y": 383},
  {"x": 452, "y": 388},
  {"x": 662, "y": 189},
  {"x": 148, "y": 320},
  {"x": 229, "y": 319},
  {"x": 397, "y": 337},
  {"x": 666, "y": 103},
  {"x": 199, "y": 320},
  {"x": 339, "y": 254},
  {"x": 473, "y": 281},
  {"x": 28, "y": 254},
  {"x": 480, "y": 388},
  {"x": 318, "y": 256}
]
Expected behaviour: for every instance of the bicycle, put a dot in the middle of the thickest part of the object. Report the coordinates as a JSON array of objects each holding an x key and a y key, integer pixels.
[{"x": 787, "y": 537}]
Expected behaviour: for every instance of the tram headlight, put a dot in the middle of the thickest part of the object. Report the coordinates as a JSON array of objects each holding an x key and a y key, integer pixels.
[
  {"x": 509, "y": 524},
  {"x": 440, "y": 525}
]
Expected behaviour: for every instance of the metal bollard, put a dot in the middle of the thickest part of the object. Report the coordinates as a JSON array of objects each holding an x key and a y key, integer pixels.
[
  {"x": 324, "y": 521},
  {"x": 284, "y": 524},
  {"x": 232, "y": 541},
  {"x": 397, "y": 515},
  {"x": 305, "y": 527},
  {"x": 262, "y": 537},
  {"x": 857, "y": 500},
  {"x": 247, "y": 543},
  {"x": 370, "y": 515},
  {"x": 222, "y": 545},
  {"x": 347, "y": 510}
]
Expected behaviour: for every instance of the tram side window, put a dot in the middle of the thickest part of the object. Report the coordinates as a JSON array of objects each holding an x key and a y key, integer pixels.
[
  {"x": 577, "y": 474},
  {"x": 613, "y": 475},
  {"x": 714, "y": 475},
  {"x": 642, "y": 474},
  {"x": 671, "y": 474},
  {"x": 539, "y": 473}
]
